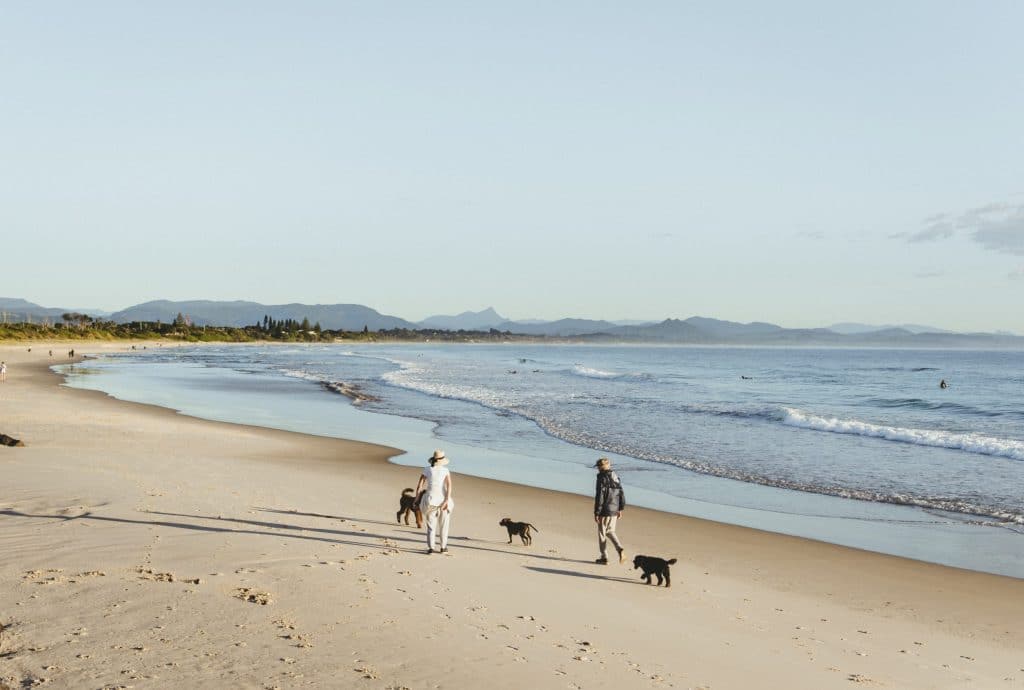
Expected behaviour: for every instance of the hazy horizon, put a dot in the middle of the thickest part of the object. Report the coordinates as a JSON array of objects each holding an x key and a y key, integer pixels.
[
  {"x": 838, "y": 323},
  {"x": 795, "y": 163}
]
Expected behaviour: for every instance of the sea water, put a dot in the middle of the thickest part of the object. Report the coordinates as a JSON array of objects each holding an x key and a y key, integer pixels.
[{"x": 853, "y": 446}]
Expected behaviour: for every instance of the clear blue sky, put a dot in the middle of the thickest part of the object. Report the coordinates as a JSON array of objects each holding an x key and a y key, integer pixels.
[{"x": 795, "y": 162}]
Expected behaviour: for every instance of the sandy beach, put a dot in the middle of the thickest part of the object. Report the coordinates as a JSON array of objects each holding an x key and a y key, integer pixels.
[{"x": 143, "y": 548}]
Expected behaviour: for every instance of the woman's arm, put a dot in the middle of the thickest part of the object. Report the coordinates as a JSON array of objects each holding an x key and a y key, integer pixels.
[{"x": 447, "y": 491}]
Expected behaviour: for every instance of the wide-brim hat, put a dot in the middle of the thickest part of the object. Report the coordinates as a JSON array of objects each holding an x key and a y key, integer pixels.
[
  {"x": 603, "y": 464},
  {"x": 439, "y": 457}
]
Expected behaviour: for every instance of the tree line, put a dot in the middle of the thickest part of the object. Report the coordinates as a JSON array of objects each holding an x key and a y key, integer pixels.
[{"x": 76, "y": 326}]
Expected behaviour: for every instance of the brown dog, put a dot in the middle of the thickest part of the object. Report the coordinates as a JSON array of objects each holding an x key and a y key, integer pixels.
[
  {"x": 409, "y": 503},
  {"x": 523, "y": 529}
]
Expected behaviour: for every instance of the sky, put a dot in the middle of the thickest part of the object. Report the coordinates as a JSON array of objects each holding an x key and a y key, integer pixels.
[{"x": 801, "y": 163}]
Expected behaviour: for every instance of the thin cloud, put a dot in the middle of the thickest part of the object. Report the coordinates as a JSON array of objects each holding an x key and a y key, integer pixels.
[
  {"x": 1016, "y": 274},
  {"x": 998, "y": 227},
  {"x": 940, "y": 228},
  {"x": 930, "y": 274}
]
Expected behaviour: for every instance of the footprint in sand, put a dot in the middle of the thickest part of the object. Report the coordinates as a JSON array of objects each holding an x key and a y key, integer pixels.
[
  {"x": 299, "y": 640},
  {"x": 252, "y": 596},
  {"x": 50, "y": 576},
  {"x": 88, "y": 573},
  {"x": 148, "y": 574},
  {"x": 368, "y": 672}
]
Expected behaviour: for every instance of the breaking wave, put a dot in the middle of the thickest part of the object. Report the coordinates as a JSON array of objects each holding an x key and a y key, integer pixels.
[
  {"x": 971, "y": 443},
  {"x": 947, "y": 504},
  {"x": 591, "y": 373}
]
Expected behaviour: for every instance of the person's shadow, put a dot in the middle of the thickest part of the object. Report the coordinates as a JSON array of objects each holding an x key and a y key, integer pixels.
[
  {"x": 286, "y": 530},
  {"x": 576, "y": 573}
]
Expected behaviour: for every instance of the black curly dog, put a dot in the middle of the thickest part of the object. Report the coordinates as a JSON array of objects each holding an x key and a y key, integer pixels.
[
  {"x": 652, "y": 565},
  {"x": 409, "y": 503},
  {"x": 520, "y": 528}
]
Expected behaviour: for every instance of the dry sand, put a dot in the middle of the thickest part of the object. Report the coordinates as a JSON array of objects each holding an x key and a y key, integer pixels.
[{"x": 142, "y": 548}]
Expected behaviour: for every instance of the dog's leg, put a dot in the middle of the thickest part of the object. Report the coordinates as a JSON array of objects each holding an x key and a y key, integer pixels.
[
  {"x": 398, "y": 516},
  {"x": 660, "y": 578},
  {"x": 668, "y": 579}
]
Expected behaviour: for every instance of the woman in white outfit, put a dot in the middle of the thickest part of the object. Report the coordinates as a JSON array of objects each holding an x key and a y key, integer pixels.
[{"x": 436, "y": 503}]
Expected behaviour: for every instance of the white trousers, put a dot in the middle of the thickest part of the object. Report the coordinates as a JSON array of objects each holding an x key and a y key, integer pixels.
[{"x": 437, "y": 522}]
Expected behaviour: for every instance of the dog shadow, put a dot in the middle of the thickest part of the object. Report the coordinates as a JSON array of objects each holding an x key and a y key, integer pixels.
[{"x": 577, "y": 573}]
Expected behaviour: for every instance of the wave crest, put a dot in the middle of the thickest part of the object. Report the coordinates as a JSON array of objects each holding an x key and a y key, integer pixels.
[
  {"x": 971, "y": 443},
  {"x": 591, "y": 373}
]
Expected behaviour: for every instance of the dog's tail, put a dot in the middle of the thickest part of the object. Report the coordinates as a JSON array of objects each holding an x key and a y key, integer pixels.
[
  {"x": 534, "y": 528},
  {"x": 670, "y": 562},
  {"x": 407, "y": 492}
]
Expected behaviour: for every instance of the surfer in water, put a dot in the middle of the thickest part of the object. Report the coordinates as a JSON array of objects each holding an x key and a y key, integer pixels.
[{"x": 943, "y": 384}]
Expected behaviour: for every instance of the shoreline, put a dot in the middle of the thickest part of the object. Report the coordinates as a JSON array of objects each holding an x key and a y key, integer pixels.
[
  {"x": 388, "y": 454},
  {"x": 733, "y": 586},
  {"x": 895, "y": 528}
]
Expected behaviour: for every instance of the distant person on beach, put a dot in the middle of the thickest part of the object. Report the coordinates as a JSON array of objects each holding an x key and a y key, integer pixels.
[
  {"x": 609, "y": 502},
  {"x": 3, "y": 371},
  {"x": 436, "y": 504}
]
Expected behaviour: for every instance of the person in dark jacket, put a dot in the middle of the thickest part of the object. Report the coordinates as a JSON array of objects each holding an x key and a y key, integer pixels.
[{"x": 609, "y": 502}]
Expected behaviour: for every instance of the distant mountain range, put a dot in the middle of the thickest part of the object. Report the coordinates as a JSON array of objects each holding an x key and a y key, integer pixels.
[
  {"x": 466, "y": 321},
  {"x": 859, "y": 328},
  {"x": 694, "y": 330},
  {"x": 14, "y": 309},
  {"x": 348, "y": 317}
]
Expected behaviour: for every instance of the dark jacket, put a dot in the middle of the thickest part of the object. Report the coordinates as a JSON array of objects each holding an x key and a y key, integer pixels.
[{"x": 608, "y": 496}]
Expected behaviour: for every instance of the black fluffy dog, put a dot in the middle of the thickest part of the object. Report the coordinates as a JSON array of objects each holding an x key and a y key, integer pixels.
[
  {"x": 521, "y": 528},
  {"x": 652, "y": 565},
  {"x": 409, "y": 503}
]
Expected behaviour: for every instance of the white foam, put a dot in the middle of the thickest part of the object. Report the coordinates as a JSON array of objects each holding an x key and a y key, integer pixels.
[
  {"x": 971, "y": 443},
  {"x": 590, "y": 373},
  {"x": 299, "y": 374}
]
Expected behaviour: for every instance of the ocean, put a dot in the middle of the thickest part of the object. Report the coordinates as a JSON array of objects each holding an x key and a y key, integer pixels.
[{"x": 859, "y": 447}]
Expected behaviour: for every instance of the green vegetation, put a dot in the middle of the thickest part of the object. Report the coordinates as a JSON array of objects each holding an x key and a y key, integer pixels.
[{"x": 76, "y": 326}]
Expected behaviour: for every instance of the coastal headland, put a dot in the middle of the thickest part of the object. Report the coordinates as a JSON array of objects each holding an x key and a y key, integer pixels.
[{"x": 144, "y": 548}]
